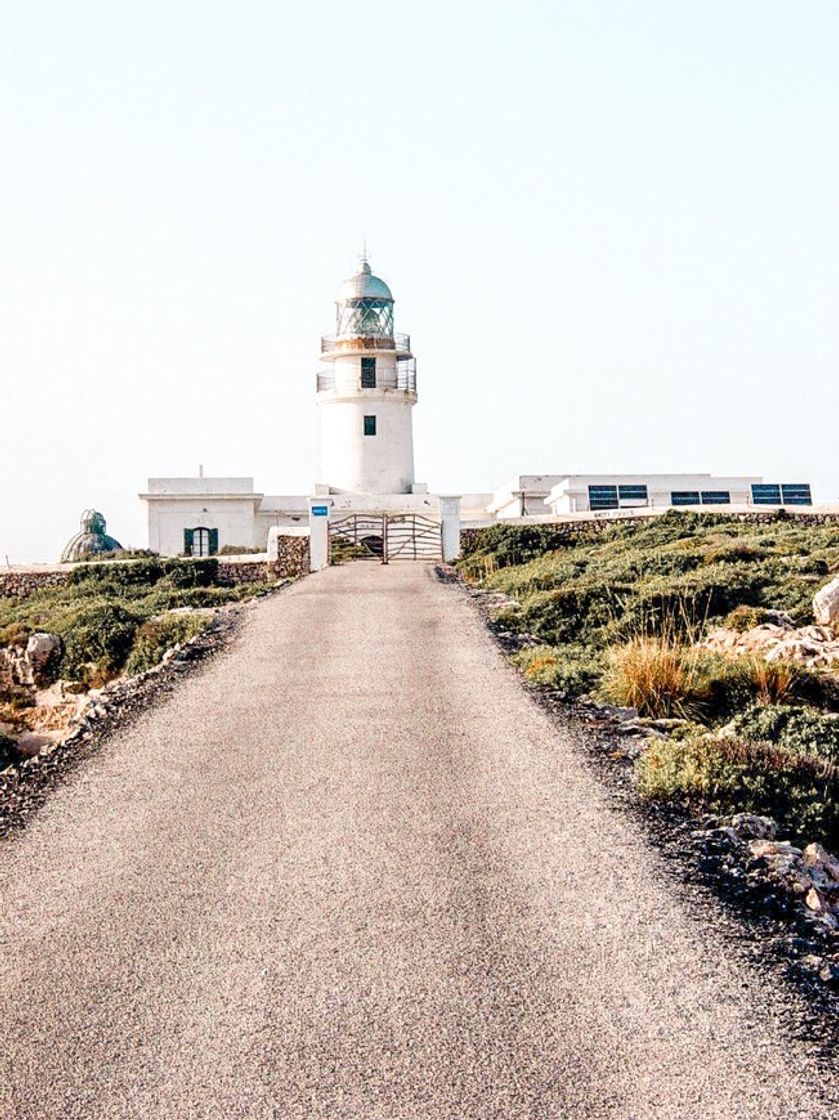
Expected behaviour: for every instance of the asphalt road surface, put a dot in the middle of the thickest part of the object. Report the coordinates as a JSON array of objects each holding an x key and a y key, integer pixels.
[{"x": 349, "y": 870}]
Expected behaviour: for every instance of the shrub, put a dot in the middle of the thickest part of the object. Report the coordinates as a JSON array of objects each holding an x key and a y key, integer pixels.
[
  {"x": 156, "y": 636},
  {"x": 571, "y": 669},
  {"x": 732, "y": 775},
  {"x": 734, "y": 551},
  {"x": 116, "y": 579},
  {"x": 612, "y": 581},
  {"x": 744, "y": 618},
  {"x": 802, "y": 730},
  {"x": 16, "y": 633},
  {"x": 98, "y": 633}
]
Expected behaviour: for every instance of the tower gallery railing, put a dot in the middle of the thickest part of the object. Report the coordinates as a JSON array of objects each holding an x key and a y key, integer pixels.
[
  {"x": 401, "y": 343},
  {"x": 404, "y": 379}
]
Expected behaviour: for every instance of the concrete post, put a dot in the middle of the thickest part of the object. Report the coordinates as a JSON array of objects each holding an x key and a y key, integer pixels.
[
  {"x": 450, "y": 514},
  {"x": 319, "y": 533}
]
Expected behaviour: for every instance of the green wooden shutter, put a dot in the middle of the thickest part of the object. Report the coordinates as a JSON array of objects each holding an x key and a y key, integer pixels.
[
  {"x": 213, "y": 542},
  {"x": 188, "y": 542}
]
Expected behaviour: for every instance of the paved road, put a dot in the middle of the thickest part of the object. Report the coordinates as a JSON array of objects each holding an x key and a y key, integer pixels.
[{"x": 349, "y": 870}]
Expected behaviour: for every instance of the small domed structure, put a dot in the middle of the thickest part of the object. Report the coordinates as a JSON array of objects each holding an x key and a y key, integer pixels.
[{"x": 91, "y": 540}]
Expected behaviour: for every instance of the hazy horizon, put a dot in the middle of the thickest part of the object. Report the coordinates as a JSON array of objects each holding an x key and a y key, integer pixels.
[{"x": 610, "y": 230}]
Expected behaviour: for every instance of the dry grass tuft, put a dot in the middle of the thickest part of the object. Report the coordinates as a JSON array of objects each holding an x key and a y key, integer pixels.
[{"x": 657, "y": 675}]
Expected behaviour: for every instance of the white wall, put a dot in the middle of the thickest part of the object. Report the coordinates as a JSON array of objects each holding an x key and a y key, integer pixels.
[
  {"x": 351, "y": 461},
  {"x": 232, "y": 517},
  {"x": 524, "y": 494},
  {"x": 570, "y": 495}
]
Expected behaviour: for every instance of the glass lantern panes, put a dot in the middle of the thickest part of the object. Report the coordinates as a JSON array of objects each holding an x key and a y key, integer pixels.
[{"x": 365, "y": 318}]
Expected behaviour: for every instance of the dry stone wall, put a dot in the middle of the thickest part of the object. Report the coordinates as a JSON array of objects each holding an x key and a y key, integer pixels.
[
  {"x": 19, "y": 584},
  {"x": 292, "y": 557}
]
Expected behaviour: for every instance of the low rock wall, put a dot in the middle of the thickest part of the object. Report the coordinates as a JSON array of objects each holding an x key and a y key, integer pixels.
[
  {"x": 292, "y": 557},
  {"x": 244, "y": 571},
  {"x": 19, "y": 584}
]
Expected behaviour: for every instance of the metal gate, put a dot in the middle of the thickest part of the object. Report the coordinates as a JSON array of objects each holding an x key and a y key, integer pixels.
[
  {"x": 384, "y": 538},
  {"x": 411, "y": 537}
]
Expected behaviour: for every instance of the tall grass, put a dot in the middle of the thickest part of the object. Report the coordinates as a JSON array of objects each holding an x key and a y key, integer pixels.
[
  {"x": 657, "y": 675},
  {"x": 662, "y": 676}
]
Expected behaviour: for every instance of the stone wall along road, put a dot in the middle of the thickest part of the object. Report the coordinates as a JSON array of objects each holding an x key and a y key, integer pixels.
[{"x": 349, "y": 870}]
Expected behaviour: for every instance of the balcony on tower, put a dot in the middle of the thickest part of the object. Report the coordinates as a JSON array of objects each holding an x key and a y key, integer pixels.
[
  {"x": 401, "y": 376},
  {"x": 332, "y": 345}
]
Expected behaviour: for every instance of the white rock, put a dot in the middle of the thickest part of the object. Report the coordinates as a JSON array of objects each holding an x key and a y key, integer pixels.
[
  {"x": 826, "y": 604},
  {"x": 42, "y": 654}
]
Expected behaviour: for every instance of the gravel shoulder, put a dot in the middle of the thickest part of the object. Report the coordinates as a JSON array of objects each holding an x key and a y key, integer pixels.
[{"x": 349, "y": 869}]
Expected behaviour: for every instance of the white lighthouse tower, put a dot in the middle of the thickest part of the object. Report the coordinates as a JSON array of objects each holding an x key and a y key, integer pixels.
[{"x": 366, "y": 397}]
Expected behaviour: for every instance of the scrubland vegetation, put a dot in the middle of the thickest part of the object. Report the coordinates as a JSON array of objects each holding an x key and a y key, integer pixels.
[
  {"x": 116, "y": 616},
  {"x": 618, "y": 614}
]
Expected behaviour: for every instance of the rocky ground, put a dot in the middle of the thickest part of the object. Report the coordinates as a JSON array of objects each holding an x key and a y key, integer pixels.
[
  {"x": 778, "y": 903},
  {"x": 814, "y": 646}
]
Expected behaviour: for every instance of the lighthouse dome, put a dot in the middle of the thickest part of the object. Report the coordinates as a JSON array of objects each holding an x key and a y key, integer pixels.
[
  {"x": 364, "y": 285},
  {"x": 365, "y": 306}
]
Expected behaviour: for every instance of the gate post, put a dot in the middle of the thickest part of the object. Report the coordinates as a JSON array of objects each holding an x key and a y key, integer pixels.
[
  {"x": 384, "y": 539},
  {"x": 450, "y": 515},
  {"x": 318, "y": 533}
]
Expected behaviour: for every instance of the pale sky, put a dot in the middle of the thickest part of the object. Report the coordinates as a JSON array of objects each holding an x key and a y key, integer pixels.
[{"x": 611, "y": 230}]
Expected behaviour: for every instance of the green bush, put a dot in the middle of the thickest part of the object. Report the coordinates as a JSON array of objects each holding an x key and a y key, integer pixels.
[
  {"x": 744, "y": 618},
  {"x": 570, "y": 669},
  {"x": 116, "y": 579},
  {"x": 155, "y": 637},
  {"x": 732, "y": 775},
  {"x": 609, "y": 583},
  {"x": 736, "y": 551},
  {"x": 97, "y": 633},
  {"x": 802, "y": 730}
]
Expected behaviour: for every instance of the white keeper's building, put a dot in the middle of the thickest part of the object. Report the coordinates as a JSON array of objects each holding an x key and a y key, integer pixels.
[{"x": 368, "y": 494}]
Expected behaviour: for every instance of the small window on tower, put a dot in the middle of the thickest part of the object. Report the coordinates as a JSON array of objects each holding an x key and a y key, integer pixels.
[
  {"x": 368, "y": 373},
  {"x": 369, "y": 425}
]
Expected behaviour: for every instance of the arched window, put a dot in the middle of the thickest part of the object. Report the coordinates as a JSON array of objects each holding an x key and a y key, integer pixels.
[{"x": 200, "y": 541}]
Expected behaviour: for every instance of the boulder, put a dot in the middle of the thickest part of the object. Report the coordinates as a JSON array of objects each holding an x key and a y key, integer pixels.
[
  {"x": 43, "y": 653},
  {"x": 750, "y": 826},
  {"x": 816, "y": 857},
  {"x": 826, "y": 604}
]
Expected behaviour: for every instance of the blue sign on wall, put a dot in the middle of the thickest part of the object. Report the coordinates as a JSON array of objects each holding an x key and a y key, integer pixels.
[{"x": 320, "y": 511}]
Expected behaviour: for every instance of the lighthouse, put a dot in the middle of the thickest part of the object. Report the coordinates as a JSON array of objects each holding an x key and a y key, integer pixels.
[{"x": 366, "y": 393}]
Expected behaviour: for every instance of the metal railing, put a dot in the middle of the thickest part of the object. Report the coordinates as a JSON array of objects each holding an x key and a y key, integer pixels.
[
  {"x": 404, "y": 380},
  {"x": 401, "y": 343}
]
